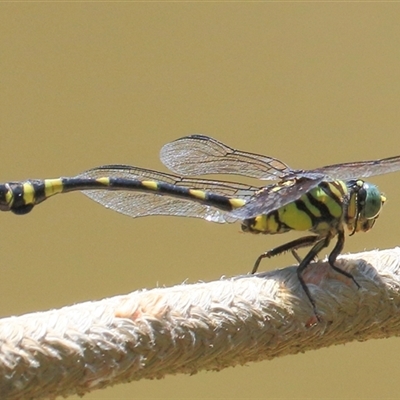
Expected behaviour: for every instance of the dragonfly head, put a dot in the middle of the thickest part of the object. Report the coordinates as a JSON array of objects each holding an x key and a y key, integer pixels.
[{"x": 364, "y": 206}]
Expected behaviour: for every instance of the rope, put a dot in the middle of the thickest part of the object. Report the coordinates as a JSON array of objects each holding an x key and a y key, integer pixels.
[{"x": 202, "y": 326}]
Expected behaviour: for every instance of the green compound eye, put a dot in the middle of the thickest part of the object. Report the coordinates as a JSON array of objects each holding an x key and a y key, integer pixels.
[{"x": 373, "y": 201}]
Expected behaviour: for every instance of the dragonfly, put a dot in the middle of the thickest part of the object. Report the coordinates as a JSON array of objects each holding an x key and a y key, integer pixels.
[{"x": 324, "y": 201}]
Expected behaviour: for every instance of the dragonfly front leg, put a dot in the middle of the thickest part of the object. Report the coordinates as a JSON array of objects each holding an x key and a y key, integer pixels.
[
  {"x": 335, "y": 253},
  {"x": 304, "y": 264},
  {"x": 331, "y": 259}
]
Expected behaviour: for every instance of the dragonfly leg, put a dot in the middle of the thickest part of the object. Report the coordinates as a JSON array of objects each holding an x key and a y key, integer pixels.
[
  {"x": 304, "y": 264},
  {"x": 299, "y": 259},
  {"x": 292, "y": 246},
  {"x": 296, "y": 256},
  {"x": 335, "y": 253}
]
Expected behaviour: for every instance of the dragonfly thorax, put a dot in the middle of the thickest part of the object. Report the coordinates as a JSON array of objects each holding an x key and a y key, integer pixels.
[
  {"x": 319, "y": 210},
  {"x": 364, "y": 205}
]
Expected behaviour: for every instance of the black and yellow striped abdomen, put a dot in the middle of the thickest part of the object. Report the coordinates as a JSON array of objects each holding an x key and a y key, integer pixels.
[
  {"x": 21, "y": 197},
  {"x": 317, "y": 211}
]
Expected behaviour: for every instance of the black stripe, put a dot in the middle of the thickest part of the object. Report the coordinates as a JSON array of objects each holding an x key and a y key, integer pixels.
[
  {"x": 18, "y": 195},
  {"x": 219, "y": 201},
  {"x": 325, "y": 186},
  {"x": 39, "y": 188},
  {"x": 322, "y": 208},
  {"x": 275, "y": 216},
  {"x": 301, "y": 206}
]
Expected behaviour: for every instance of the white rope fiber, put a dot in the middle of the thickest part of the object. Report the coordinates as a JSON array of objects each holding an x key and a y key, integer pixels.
[{"x": 203, "y": 326}]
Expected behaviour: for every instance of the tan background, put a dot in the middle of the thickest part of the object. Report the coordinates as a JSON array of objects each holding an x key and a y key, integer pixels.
[{"x": 89, "y": 84}]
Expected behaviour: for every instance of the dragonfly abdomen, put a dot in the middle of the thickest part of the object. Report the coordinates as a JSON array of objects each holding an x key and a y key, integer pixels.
[{"x": 21, "y": 197}]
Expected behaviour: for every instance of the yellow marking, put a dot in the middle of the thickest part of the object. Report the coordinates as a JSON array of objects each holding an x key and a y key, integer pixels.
[
  {"x": 351, "y": 213},
  {"x": 152, "y": 185},
  {"x": 291, "y": 216},
  {"x": 313, "y": 209},
  {"x": 352, "y": 207},
  {"x": 280, "y": 186},
  {"x": 52, "y": 187},
  {"x": 104, "y": 181},
  {"x": 383, "y": 199},
  {"x": 236, "y": 203},
  {"x": 199, "y": 194},
  {"x": 322, "y": 228},
  {"x": 334, "y": 208},
  {"x": 9, "y": 195},
  {"x": 260, "y": 223},
  {"x": 267, "y": 223},
  {"x": 28, "y": 193},
  {"x": 273, "y": 225},
  {"x": 360, "y": 183},
  {"x": 336, "y": 191}
]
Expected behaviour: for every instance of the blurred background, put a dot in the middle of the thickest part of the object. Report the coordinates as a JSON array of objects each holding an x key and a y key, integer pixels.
[{"x": 97, "y": 83}]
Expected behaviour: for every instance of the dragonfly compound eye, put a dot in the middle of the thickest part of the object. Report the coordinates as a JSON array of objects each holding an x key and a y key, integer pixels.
[{"x": 373, "y": 201}]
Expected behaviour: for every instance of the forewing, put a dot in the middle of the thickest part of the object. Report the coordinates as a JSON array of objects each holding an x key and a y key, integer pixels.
[
  {"x": 273, "y": 197},
  {"x": 203, "y": 155},
  {"x": 139, "y": 204},
  {"x": 360, "y": 169}
]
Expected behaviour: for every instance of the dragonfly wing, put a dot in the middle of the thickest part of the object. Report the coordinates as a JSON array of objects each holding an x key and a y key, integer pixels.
[
  {"x": 273, "y": 197},
  {"x": 224, "y": 188},
  {"x": 145, "y": 204},
  {"x": 202, "y": 155},
  {"x": 135, "y": 203},
  {"x": 361, "y": 169}
]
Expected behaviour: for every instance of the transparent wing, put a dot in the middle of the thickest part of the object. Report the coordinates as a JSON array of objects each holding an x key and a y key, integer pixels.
[
  {"x": 139, "y": 204},
  {"x": 272, "y": 197},
  {"x": 202, "y": 155},
  {"x": 360, "y": 169}
]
